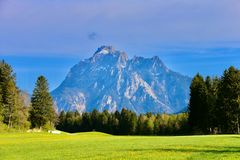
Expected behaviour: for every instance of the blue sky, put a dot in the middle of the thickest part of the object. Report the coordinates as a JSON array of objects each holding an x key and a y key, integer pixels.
[{"x": 49, "y": 36}]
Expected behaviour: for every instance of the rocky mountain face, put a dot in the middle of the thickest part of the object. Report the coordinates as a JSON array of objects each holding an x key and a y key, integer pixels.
[
  {"x": 26, "y": 98},
  {"x": 110, "y": 81}
]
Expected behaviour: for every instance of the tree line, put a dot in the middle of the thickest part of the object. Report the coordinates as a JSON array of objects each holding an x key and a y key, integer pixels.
[
  {"x": 125, "y": 122},
  {"x": 214, "y": 105}
]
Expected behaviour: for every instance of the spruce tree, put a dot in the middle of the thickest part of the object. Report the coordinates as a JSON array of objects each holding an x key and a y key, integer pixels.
[
  {"x": 61, "y": 125},
  {"x": 95, "y": 120},
  {"x": 6, "y": 77},
  {"x": 149, "y": 126},
  {"x": 1, "y": 105},
  {"x": 212, "y": 91},
  {"x": 11, "y": 103},
  {"x": 10, "y": 100},
  {"x": 42, "y": 110},
  {"x": 198, "y": 111},
  {"x": 128, "y": 122},
  {"x": 140, "y": 124},
  {"x": 229, "y": 101}
]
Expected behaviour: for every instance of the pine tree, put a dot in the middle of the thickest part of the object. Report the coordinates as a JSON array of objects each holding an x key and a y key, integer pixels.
[
  {"x": 1, "y": 105},
  {"x": 229, "y": 101},
  {"x": 11, "y": 104},
  {"x": 149, "y": 126},
  {"x": 128, "y": 122},
  {"x": 86, "y": 122},
  {"x": 6, "y": 77},
  {"x": 212, "y": 91},
  {"x": 103, "y": 120},
  {"x": 140, "y": 124},
  {"x": 42, "y": 111},
  {"x": 61, "y": 125},
  {"x": 198, "y": 111},
  {"x": 113, "y": 124},
  {"x": 95, "y": 120}
]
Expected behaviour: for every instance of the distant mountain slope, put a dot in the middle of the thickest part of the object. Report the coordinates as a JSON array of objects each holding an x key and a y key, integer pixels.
[
  {"x": 109, "y": 80},
  {"x": 26, "y": 98}
]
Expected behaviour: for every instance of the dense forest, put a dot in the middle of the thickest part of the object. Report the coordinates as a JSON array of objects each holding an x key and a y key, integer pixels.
[
  {"x": 125, "y": 122},
  {"x": 214, "y": 107}
]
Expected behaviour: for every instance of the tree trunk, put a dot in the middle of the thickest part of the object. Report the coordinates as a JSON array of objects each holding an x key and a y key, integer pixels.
[
  {"x": 238, "y": 130},
  {"x": 9, "y": 121}
]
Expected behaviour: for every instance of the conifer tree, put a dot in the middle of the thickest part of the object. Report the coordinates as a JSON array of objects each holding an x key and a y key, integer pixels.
[
  {"x": 140, "y": 124},
  {"x": 149, "y": 126},
  {"x": 198, "y": 111},
  {"x": 229, "y": 101},
  {"x": 61, "y": 121},
  {"x": 128, "y": 122},
  {"x": 42, "y": 111},
  {"x": 10, "y": 100},
  {"x": 1, "y": 105},
  {"x": 95, "y": 119},
  {"x": 212, "y": 91}
]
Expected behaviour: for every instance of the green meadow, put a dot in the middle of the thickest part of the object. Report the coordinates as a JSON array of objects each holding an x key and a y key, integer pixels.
[{"x": 94, "y": 145}]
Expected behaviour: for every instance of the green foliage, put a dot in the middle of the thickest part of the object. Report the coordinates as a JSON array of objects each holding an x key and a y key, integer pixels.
[
  {"x": 198, "y": 111},
  {"x": 149, "y": 126},
  {"x": 215, "y": 103},
  {"x": 48, "y": 126},
  {"x": 214, "y": 107},
  {"x": 12, "y": 111},
  {"x": 42, "y": 111},
  {"x": 212, "y": 94},
  {"x": 229, "y": 101},
  {"x": 128, "y": 122},
  {"x": 1, "y": 104},
  {"x": 124, "y": 123},
  {"x": 140, "y": 124},
  {"x": 3, "y": 127},
  {"x": 21, "y": 116}
]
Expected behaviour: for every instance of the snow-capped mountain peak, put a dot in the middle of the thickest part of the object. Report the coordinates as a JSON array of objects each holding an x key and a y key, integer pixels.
[
  {"x": 105, "y": 50},
  {"x": 109, "y": 80},
  {"x": 108, "y": 53}
]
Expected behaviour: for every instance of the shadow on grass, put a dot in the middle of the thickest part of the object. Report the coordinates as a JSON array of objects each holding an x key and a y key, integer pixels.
[{"x": 214, "y": 150}]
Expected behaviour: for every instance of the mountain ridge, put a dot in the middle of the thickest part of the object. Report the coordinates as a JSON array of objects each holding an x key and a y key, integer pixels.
[{"x": 110, "y": 80}]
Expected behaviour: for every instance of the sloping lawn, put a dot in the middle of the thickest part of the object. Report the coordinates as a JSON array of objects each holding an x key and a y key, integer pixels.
[{"x": 94, "y": 145}]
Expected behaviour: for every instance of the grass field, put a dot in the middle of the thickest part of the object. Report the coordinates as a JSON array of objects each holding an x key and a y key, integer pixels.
[{"x": 95, "y": 145}]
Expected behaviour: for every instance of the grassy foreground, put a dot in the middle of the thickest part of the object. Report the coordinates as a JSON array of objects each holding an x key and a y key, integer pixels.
[{"x": 95, "y": 145}]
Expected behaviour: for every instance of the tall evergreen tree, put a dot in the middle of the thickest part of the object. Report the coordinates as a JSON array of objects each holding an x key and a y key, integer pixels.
[
  {"x": 198, "y": 111},
  {"x": 229, "y": 101},
  {"x": 211, "y": 100},
  {"x": 11, "y": 106},
  {"x": 95, "y": 119},
  {"x": 86, "y": 122},
  {"x": 6, "y": 78},
  {"x": 149, "y": 126},
  {"x": 113, "y": 124},
  {"x": 140, "y": 124},
  {"x": 1, "y": 105},
  {"x": 128, "y": 122},
  {"x": 61, "y": 121},
  {"x": 42, "y": 111}
]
